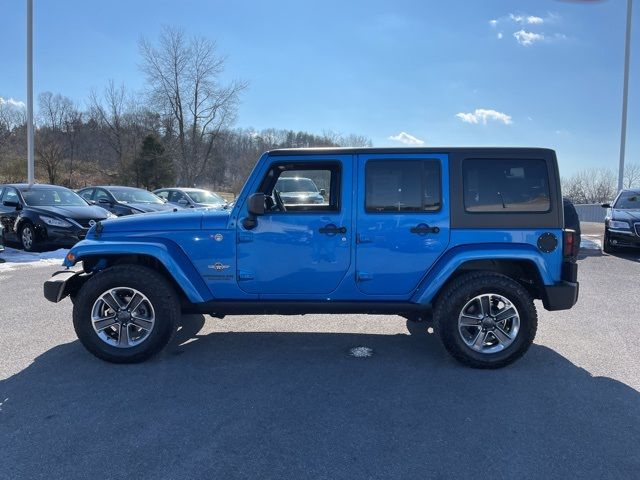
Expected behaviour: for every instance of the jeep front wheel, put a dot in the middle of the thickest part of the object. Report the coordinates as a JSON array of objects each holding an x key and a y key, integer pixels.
[
  {"x": 126, "y": 313},
  {"x": 486, "y": 320}
]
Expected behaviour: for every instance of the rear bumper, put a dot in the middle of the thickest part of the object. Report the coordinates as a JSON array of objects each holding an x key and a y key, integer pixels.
[
  {"x": 561, "y": 296},
  {"x": 63, "y": 283}
]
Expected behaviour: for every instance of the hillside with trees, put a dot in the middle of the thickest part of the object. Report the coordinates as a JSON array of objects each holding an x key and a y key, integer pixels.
[{"x": 178, "y": 131}]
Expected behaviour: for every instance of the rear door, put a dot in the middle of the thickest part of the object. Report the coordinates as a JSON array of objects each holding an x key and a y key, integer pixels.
[{"x": 402, "y": 220}]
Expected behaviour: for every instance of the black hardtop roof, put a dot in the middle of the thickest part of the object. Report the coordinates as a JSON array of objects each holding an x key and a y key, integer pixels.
[{"x": 397, "y": 150}]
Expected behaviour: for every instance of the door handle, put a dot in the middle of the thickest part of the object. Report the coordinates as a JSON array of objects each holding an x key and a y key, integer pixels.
[
  {"x": 332, "y": 229},
  {"x": 423, "y": 228}
]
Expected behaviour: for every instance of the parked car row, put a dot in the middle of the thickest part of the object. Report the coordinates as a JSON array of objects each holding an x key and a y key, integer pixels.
[{"x": 39, "y": 216}]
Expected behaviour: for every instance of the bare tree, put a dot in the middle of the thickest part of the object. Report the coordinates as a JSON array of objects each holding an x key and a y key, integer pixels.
[
  {"x": 108, "y": 111},
  {"x": 631, "y": 177},
  {"x": 54, "y": 111},
  {"x": 184, "y": 83},
  {"x": 594, "y": 185}
]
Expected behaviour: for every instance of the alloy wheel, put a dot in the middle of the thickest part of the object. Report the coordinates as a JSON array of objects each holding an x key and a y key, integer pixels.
[
  {"x": 488, "y": 323},
  {"x": 123, "y": 317}
]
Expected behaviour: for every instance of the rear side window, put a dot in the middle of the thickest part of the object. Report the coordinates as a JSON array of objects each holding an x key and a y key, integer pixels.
[
  {"x": 505, "y": 186},
  {"x": 402, "y": 186}
]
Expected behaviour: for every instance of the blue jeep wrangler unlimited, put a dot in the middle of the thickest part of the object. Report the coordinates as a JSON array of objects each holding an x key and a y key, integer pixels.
[{"x": 473, "y": 235}]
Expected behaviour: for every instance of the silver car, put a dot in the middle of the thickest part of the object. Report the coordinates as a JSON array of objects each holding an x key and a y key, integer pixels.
[{"x": 191, "y": 197}]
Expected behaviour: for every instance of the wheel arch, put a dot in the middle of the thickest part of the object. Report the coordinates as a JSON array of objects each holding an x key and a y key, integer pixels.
[
  {"x": 521, "y": 263},
  {"x": 164, "y": 257}
]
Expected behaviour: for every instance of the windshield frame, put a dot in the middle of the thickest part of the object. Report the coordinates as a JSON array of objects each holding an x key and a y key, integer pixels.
[
  {"x": 115, "y": 192},
  {"x": 24, "y": 194},
  {"x": 623, "y": 197},
  {"x": 218, "y": 200}
]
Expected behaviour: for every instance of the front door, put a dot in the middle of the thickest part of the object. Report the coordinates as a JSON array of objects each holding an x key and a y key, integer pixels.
[
  {"x": 302, "y": 244},
  {"x": 403, "y": 220}
]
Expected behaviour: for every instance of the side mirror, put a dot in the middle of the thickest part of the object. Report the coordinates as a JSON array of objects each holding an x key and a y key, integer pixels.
[
  {"x": 255, "y": 207},
  {"x": 323, "y": 192},
  {"x": 255, "y": 204},
  {"x": 9, "y": 203},
  {"x": 183, "y": 201},
  {"x": 606, "y": 205},
  {"x": 104, "y": 201}
]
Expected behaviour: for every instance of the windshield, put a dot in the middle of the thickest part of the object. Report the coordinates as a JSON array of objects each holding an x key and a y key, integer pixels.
[
  {"x": 203, "y": 196},
  {"x": 57, "y": 197},
  {"x": 134, "y": 195},
  {"x": 295, "y": 185},
  {"x": 629, "y": 200}
]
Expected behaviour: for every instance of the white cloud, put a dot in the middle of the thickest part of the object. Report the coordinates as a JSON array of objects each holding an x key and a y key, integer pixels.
[
  {"x": 527, "y": 38},
  {"x": 500, "y": 35},
  {"x": 483, "y": 115},
  {"x": 526, "y": 19},
  {"x": 12, "y": 103},
  {"x": 493, "y": 22},
  {"x": 407, "y": 139}
]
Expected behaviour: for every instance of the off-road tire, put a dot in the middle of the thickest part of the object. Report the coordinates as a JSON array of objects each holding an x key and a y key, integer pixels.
[
  {"x": 456, "y": 295},
  {"x": 150, "y": 283}
]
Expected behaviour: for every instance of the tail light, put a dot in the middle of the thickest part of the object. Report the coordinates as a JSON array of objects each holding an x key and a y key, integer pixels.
[{"x": 569, "y": 243}]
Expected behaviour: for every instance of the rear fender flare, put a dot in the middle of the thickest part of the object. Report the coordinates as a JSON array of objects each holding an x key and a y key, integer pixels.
[{"x": 447, "y": 265}]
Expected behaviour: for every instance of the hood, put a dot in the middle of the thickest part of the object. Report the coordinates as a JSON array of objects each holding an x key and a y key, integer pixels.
[
  {"x": 150, "y": 207},
  {"x": 74, "y": 212},
  {"x": 626, "y": 215},
  {"x": 152, "y": 222}
]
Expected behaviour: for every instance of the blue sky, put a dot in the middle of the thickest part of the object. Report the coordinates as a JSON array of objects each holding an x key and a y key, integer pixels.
[{"x": 525, "y": 73}]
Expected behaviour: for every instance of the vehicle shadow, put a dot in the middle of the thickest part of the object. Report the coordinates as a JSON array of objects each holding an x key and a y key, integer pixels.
[{"x": 297, "y": 405}]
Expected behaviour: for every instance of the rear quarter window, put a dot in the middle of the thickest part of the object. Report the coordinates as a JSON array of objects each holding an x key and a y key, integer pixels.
[{"x": 505, "y": 186}]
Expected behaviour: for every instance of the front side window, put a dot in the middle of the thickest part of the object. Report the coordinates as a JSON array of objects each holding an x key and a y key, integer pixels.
[
  {"x": 505, "y": 186},
  {"x": 302, "y": 187},
  {"x": 10, "y": 195},
  {"x": 402, "y": 186}
]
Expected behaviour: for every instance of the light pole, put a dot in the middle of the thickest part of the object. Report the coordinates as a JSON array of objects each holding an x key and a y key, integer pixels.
[
  {"x": 30, "y": 92},
  {"x": 625, "y": 88},
  {"x": 625, "y": 95}
]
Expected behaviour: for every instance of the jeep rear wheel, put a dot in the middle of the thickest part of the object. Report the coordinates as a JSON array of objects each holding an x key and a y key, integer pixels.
[
  {"x": 126, "y": 313},
  {"x": 486, "y": 320}
]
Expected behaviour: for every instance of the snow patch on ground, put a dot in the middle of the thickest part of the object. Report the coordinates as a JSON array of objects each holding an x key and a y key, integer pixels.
[
  {"x": 590, "y": 243},
  {"x": 12, "y": 259}
]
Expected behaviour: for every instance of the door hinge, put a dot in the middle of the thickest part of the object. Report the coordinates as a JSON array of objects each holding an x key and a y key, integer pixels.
[
  {"x": 362, "y": 238},
  {"x": 244, "y": 237},
  {"x": 245, "y": 275},
  {"x": 364, "y": 276}
]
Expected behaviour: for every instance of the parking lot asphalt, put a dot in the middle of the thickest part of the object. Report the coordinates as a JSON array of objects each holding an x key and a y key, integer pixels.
[{"x": 280, "y": 397}]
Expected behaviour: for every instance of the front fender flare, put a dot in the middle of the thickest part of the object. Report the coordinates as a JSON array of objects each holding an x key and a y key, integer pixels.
[
  {"x": 440, "y": 273},
  {"x": 168, "y": 253}
]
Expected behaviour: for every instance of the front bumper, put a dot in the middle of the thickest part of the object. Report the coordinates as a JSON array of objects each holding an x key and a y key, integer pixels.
[
  {"x": 62, "y": 237},
  {"x": 64, "y": 283},
  {"x": 623, "y": 238}
]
